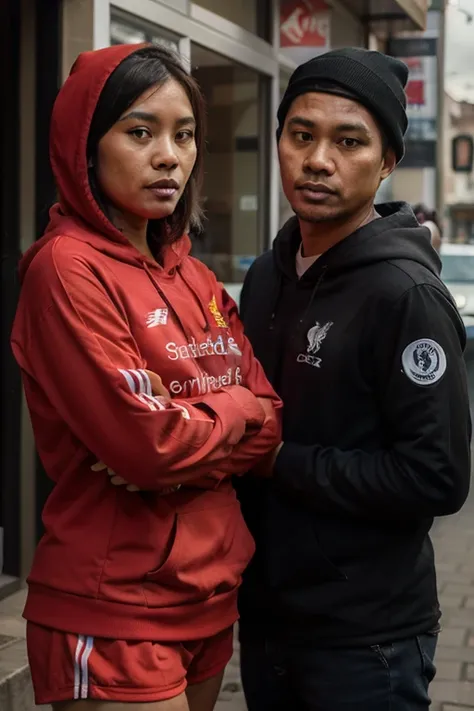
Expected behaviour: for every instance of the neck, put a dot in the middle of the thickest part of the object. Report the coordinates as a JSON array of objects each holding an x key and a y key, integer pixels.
[
  {"x": 134, "y": 229},
  {"x": 318, "y": 237}
]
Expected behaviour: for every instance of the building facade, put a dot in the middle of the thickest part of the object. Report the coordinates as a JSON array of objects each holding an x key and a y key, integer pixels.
[
  {"x": 458, "y": 185},
  {"x": 418, "y": 178}
]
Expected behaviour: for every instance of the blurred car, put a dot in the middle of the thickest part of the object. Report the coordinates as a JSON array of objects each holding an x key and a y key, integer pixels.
[{"x": 458, "y": 274}]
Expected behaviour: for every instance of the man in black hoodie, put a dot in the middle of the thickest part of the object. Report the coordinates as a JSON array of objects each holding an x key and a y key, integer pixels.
[{"x": 347, "y": 314}]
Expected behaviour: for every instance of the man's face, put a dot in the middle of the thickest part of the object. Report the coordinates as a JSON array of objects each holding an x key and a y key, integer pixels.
[{"x": 331, "y": 157}]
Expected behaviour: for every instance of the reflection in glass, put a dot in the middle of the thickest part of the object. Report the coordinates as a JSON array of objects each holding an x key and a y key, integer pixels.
[
  {"x": 232, "y": 202},
  {"x": 285, "y": 208},
  {"x": 127, "y": 29},
  {"x": 252, "y": 15}
]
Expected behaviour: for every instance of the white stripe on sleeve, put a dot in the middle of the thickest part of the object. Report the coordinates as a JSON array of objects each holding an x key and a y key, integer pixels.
[
  {"x": 129, "y": 379},
  {"x": 142, "y": 386},
  {"x": 148, "y": 388}
]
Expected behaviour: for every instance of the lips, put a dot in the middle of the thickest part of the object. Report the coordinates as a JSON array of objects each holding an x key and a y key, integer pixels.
[
  {"x": 163, "y": 189},
  {"x": 165, "y": 184},
  {"x": 316, "y": 188}
]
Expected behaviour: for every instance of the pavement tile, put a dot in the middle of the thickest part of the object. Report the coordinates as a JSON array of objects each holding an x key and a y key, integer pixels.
[
  {"x": 448, "y": 671},
  {"x": 459, "y": 589},
  {"x": 452, "y": 637},
  {"x": 451, "y": 601},
  {"x": 455, "y": 654},
  {"x": 454, "y": 692},
  {"x": 458, "y": 618}
]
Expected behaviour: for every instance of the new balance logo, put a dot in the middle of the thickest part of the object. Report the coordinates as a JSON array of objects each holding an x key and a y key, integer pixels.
[{"x": 159, "y": 317}]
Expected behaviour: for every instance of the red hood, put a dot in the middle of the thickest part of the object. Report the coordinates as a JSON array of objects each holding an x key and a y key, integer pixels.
[{"x": 77, "y": 214}]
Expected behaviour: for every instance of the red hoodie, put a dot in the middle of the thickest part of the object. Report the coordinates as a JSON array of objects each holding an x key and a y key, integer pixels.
[{"x": 93, "y": 314}]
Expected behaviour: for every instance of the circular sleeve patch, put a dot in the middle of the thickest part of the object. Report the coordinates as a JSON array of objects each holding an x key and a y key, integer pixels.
[{"x": 424, "y": 362}]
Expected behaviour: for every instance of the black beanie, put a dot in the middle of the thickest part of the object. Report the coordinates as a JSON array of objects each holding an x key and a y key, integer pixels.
[{"x": 375, "y": 80}]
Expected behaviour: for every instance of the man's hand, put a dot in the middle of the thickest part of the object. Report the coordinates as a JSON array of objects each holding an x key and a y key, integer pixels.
[
  {"x": 158, "y": 390},
  {"x": 266, "y": 465}
]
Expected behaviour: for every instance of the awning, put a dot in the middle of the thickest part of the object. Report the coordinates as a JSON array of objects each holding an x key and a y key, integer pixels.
[
  {"x": 416, "y": 10},
  {"x": 385, "y": 10}
]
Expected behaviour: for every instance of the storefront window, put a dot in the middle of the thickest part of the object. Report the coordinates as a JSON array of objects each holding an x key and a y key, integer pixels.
[
  {"x": 463, "y": 226},
  {"x": 126, "y": 29},
  {"x": 285, "y": 208},
  {"x": 252, "y": 15},
  {"x": 232, "y": 199},
  {"x": 237, "y": 150}
]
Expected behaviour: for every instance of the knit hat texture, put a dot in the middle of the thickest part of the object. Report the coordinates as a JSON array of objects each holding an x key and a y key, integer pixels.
[{"x": 375, "y": 80}]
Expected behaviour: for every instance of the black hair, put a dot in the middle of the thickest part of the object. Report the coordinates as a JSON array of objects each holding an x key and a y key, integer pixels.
[{"x": 141, "y": 70}]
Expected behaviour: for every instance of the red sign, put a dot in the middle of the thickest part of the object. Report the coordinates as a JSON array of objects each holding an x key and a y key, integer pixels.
[
  {"x": 463, "y": 153},
  {"x": 304, "y": 23},
  {"x": 414, "y": 64},
  {"x": 415, "y": 91}
]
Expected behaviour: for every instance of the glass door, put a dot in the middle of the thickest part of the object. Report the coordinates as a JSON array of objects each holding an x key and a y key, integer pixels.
[
  {"x": 233, "y": 198},
  {"x": 128, "y": 29}
]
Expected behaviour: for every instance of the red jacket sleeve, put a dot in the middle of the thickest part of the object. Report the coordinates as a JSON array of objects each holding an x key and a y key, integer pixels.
[
  {"x": 252, "y": 447},
  {"x": 73, "y": 341}
]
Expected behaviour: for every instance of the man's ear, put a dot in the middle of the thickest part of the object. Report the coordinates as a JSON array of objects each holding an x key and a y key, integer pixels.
[{"x": 389, "y": 163}]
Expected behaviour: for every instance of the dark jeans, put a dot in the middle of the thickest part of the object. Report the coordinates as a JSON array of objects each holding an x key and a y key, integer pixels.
[{"x": 284, "y": 676}]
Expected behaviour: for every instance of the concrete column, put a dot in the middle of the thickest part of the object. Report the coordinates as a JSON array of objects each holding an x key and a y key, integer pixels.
[
  {"x": 27, "y": 237},
  {"x": 346, "y": 29},
  {"x": 78, "y": 31}
]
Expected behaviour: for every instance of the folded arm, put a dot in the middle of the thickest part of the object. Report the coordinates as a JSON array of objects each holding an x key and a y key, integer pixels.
[{"x": 80, "y": 351}]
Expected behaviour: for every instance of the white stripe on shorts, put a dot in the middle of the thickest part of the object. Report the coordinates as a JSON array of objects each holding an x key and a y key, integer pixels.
[
  {"x": 85, "y": 667},
  {"x": 84, "y": 648},
  {"x": 77, "y": 667}
]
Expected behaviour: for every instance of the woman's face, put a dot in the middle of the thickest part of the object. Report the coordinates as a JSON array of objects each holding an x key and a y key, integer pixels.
[{"x": 145, "y": 160}]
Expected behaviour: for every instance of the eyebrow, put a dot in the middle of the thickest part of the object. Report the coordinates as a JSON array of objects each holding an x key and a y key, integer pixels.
[
  {"x": 300, "y": 121},
  {"x": 151, "y": 118},
  {"x": 347, "y": 126},
  {"x": 354, "y": 126}
]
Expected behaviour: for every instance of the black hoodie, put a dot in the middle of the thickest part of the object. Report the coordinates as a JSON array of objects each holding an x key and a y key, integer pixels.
[{"x": 366, "y": 351}]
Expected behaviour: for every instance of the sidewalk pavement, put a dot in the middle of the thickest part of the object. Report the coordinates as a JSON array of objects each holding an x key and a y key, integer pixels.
[
  {"x": 453, "y": 538},
  {"x": 453, "y": 689}
]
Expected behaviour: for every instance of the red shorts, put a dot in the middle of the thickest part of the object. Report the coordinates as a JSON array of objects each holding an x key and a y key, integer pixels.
[{"x": 69, "y": 666}]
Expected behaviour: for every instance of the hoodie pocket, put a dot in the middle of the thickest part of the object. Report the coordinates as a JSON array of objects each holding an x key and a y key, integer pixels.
[
  {"x": 293, "y": 555},
  {"x": 210, "y": 550}
]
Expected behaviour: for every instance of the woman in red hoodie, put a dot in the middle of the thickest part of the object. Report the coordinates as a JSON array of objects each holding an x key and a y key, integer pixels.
[{"x": 132, "y": 594}]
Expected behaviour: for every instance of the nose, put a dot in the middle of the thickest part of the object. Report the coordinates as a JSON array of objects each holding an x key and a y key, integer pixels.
[
  {"x": 165, "y": 155},
  {"x": 319, "y": 158}
]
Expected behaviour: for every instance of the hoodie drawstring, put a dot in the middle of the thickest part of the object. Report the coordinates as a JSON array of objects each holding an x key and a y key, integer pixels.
[
  {"x": 165, "y": 299},
  {"x": 277, "y": 294},
  {"x": 207, "y": 326},
  {"x": 189, "y": 336},
  {"x": 313, "y": 295},
  {"x": 275, "y": 300}
]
